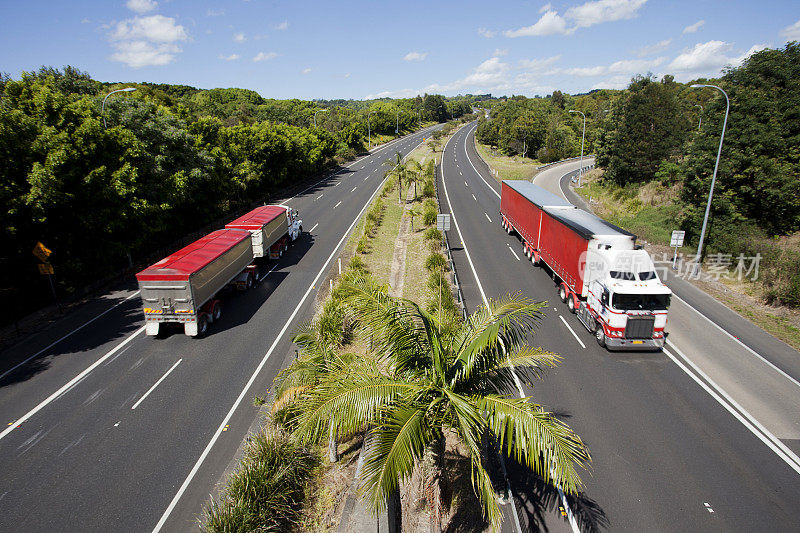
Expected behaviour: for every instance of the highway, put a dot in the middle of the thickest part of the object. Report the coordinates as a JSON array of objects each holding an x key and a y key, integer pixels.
[
  {"x": 697, "y": 438},
  {"x": 106, "y": 429}
]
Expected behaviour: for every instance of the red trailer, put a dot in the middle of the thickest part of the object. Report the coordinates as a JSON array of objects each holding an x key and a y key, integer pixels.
[
  {"x": 601, "y": 274},
  {"x": 273, "y": 228}
]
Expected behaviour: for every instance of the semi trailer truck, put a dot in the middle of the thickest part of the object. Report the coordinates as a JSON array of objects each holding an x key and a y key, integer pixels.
[
  {"x": 184, "y": 287},
  {"x": 601, "y": 273}
]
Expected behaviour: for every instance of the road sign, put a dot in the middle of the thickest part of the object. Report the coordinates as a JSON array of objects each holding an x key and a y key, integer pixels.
[
  {"x": 41, "y": 252},
  {"x": 443, "y": 222},
  {"x": 677, "y": 238},
  {"x": 46, "y": 269}
]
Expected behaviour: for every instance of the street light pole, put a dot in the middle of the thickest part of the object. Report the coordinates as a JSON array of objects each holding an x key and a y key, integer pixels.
[
  {"x": 714, "y": 177},
  {"x": 315, "y": 116},
  {"x": 700, "y": 123},
  {"x": 397, "y": 123},
  {"x": 583, "y": 136},
  {"x": 103, "y": 108},
  {"x": 369, "y": 130}
]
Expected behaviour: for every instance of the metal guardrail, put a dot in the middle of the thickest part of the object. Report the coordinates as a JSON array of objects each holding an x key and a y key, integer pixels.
[{"x": 446, "y": 245}]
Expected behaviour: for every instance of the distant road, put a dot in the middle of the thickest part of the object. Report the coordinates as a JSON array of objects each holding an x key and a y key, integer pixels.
[
  {"x": 667, "y": 455},
  {"x": 125, "y": 432}
]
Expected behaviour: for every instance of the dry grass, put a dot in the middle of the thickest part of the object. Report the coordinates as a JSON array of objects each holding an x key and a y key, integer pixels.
[{"x": 510, "y": 168}]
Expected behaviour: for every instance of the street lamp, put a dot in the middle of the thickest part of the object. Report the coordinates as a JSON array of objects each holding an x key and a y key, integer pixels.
[
  {"x": 103, "y": 109},
  {"x": 714, "y": 177},
  {"x": 315, "y": 116},
  {"x": 397, "y": 123},
  {"x": 369, "y": 130},
  {"x": 580, "y": 171},
  {"x": 700, "y": 123}
]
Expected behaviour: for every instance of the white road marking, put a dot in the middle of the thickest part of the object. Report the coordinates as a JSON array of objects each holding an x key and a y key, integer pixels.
[
  {"x": 461, "y": 173},
  {"x": 269, "y": 272},
  {"x": 573, "y": 332},
  {"x": 724, "y": 399},
  {"x": 4, "y": 374},
  {"x": 318, "y": 197},
  {"x": 708, "y": 507},
  {"x": 354, "y": 188},
  {"x": 156, "y": 384},
  {"x": 314, "y": 227},
  {"x": 473, "y": 197},
  {"x": 365, "y": 179},
  {"x": 257, "y": 371},
  {"x": 487, "y": 217},
  {"x": 513, "y": 252},
  {"x": 338, "y": 183},
  {"x": 69, "y": 384},
  {"x": 466, "y": 136},
  {"x": 465, "y": 184},
  {"x": 337, "y": 205},
  {"x": 117, "y": 424}
]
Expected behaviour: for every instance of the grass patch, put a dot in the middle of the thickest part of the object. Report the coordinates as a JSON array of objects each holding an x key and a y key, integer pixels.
[{"x": 510, "y": 168}]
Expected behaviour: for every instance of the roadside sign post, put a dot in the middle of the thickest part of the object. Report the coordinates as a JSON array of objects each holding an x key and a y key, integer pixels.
[
  {"x": 443, "y": 222},
  {"x": 676, "y": 241},
  {"x": 42, "y": 253}
]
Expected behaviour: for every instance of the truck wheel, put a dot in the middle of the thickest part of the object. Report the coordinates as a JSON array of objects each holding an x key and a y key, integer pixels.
[
  {"x": 562, "y": 293},
  {"x": 202, "y": 325},
  {"x": 600, "y": 335},
  {"x": 249, "y": 282},
  {"x": 535, "y": 258},
  {"x": 571, "y": 303},
  {"x": 217, "y": 312}
]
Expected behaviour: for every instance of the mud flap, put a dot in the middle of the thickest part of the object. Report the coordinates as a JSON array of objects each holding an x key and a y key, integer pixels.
[
  {"x": 151, "y": 328},
  {"x": 190, "y": 328}
]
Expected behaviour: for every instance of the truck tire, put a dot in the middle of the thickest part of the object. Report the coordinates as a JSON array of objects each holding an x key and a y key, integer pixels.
[
  {"x": 202, "y": 325},
  {"x": 249, "y": 283},
  {"x": 535, "y": 258},
  {"x": 562, "y": 293},
  {"x": 600, "y": 335},
  {"x": 216, "y": 313},
  {"x": 571, "y": 304}
]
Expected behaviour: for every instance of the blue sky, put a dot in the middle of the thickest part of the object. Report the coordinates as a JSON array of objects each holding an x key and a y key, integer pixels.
[{"x": 284, "y": 49}]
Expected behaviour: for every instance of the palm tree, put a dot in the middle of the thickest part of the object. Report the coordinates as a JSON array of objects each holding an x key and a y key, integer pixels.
[
  {"x": 414, "y": 211},
  {"x": 398, "y": 169},
  {"x": 423, "y": 381},
  {"x": 414, "y": 172}
]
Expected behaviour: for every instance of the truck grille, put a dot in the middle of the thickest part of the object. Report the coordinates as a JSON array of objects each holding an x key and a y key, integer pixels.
[{"x": 640, "y": 327}]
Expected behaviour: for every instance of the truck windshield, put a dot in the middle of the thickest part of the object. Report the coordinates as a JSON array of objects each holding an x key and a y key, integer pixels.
[{"x": 648, "y": 302}]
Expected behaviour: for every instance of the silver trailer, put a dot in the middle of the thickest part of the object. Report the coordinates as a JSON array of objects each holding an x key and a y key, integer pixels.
[{"x": 182, "y": 287}]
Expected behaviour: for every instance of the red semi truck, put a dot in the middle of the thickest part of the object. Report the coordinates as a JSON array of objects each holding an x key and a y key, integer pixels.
[
  {"x": 602, "y": 275},
  {"x": 183, "y": 287}
]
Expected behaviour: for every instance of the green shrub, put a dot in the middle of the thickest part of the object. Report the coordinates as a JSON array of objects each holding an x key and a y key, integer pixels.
[
  {"x": 267, "y": 491},
  {"x": 429, "y": 203},
  {"x": 363, "y": 245},
  {"x": 433, "y": 234},
  {"x": 435, "y": 262},
  {"x": 427, "y": 190},
  {"x": 429, "y": 217},
  {"x": 358, "y": 265}
]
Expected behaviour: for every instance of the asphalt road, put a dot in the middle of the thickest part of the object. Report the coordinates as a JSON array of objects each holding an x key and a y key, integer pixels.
[
  {"x": 670, "y": 453},
  {"x": 124, "y": 432}
]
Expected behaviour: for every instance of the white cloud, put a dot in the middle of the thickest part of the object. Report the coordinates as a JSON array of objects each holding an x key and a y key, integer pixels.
[
  {"x": 626, "y": 67},
  {"x": 147, "y": 41},
  {"x": 215, "y": 12},
  {"x": 708, "y": 59},
  {"x": 651, "y": 49},
  {"x": 614, "y": 82},
  {"x": 753, "y": 49},
  {"x": 402, "y": 93},
  {"x": 550, "y": 23},
  {"x": 137, "y": 54},
  {"x": 582, "y": 16},
  {"x": 232, "y": 57},
  {"x": 282, "y": 26},
  {"x": 500, "y": 52},
  {"x": 490, "y": 72},
  {"x": 415, "y": 56},
  {"x": 792, "y": 32},
  {"x": 693, "y": 27},
  {"x": 155, "y": 28},
  {"x": 545, "y": 8},
  {"x": 600, "y": 11},
  {"x": 265, "y": 56},
  {"x": 141, "y": 6},
  {"x": 347, "y": 75},
  {"x": 239, "y": 37},
  {"x": 307, "y": 70},
  {"x": 487, "y": 33},
  {"x": 539, "y": 65}
]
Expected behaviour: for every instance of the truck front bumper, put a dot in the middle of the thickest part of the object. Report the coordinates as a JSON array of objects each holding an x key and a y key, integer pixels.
[{"x": 638, "y": 345}]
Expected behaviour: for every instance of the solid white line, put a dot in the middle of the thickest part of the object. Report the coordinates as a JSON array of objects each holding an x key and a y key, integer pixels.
[
  {"x": 466, "y": 136},
  {"x": 736, "y": 410},
  {"x": 314, "y": 227},
  {"x": 746, "y": 347},
  {"x": 258, "y": 369},
  {"x": 4, "y": 374},
  {"x": 354, "y": 188},
  {"x": 71, "y": 382},
  {"x": 573, "y": 332},
  {"x": 487, "y": 217},
  {"x": 268, "y": 273},
  {"x": 337, "y": 205},
  {"x": 513, "y": 252},
  {"x": 156, "y": 384}
]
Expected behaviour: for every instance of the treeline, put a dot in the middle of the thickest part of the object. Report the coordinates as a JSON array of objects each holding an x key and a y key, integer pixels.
[{"x": 105, "y": 189}]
